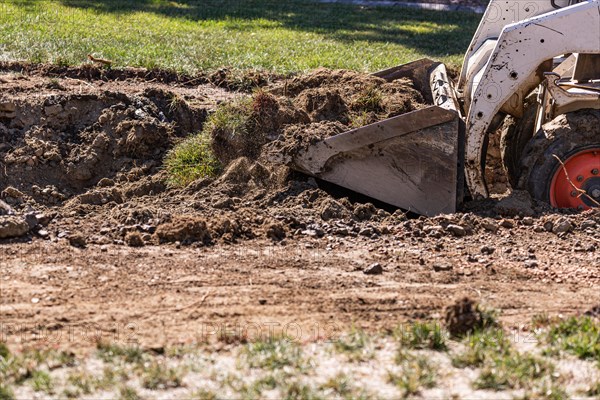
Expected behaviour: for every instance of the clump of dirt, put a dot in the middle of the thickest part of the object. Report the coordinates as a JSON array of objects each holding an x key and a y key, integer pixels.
[
  {"x": 466, "y": 316},
  {"x": 291, "y": 114},
  {"x": 184, "y": 230}
]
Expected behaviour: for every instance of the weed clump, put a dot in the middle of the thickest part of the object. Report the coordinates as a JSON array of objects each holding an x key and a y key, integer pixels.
[
  {"x": 423, "y": 335},
  {"x": 191, "y": 159},
  {"x": 577, "y": 336}
]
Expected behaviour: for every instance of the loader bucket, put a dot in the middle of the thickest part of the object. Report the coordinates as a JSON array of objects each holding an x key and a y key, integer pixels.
[{"x": 413, "y": 161}]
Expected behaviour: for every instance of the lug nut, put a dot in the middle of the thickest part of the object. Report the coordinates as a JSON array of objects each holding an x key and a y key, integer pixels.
[
  {"x": 596, "y": 193},
  {"x": 595, "y": 171},
  {"x": 573, "y": 194},
  {"x": 580, "y": 178}
]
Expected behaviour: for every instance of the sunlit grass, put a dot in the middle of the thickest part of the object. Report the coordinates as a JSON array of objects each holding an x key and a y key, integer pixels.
[{"x": 191, "y": 36}]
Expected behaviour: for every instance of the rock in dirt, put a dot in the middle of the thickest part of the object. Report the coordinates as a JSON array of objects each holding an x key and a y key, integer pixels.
[
  {"x": 456, "y": 230},
  {"x": 274, "y": 230},
  {"x": 562, "y": 226},
  {"x": 464, "y": 317},
  {"x": 374, "y": 269},
  {"x": 184, "y": 230},
  {"x": 5, "y": 209},
  {"x": 78, "y": 240},
  {"x": 12, "y": 226},
  {"x": 332, "y": 209}
]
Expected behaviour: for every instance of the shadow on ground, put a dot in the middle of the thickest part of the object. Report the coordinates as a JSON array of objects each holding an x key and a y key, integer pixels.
[{"x": 430, "y": 32}]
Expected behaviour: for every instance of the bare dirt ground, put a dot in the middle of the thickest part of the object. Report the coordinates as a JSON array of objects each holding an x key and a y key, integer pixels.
[{"x": 96, "y": 245}]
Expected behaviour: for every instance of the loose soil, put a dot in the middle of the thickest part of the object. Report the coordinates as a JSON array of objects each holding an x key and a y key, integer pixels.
[{"x": 108, "y": 247}]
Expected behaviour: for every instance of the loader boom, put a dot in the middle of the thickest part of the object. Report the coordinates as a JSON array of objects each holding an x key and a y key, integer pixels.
[{"x": 516, "y": 66}]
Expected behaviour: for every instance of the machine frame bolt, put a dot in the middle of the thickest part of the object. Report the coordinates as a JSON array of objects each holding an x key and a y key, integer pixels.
[
  {"x": 595, "y": 171},
  {"x": 573, "y": 194},
  {"x": 580, "y": 178}
]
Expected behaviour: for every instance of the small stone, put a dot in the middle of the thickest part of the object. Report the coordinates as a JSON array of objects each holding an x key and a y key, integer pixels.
[
  {"x": 527, "y": 221},
  {"x": 531, "y": 264},
  {"x": 548, "y": 225},
  {"x": 12, "y": 226},
  {"x": 562, "y": 226},
  {"x": 77, "y": 240},
  {"x": 12, "y": 192},
  {"x": 374, "y": 269},
  {"x": 488, "y": 250},
  {"x": 5, "y": 209},
  {"x": 506, "y": 223},
  {"x": 43, "y": 234},
  {"x": 35, "y": 300},
  {"x": 442, "y": 267},
  {"x": 490, "y": 226},
  {"x": 366, "y": 232},
  {"x": 588, "y": 224},
  {"x": 31, "y": 220},
  {"x": 106, "y": 182},
  {"x": 262, "y": 302},
  {"x": 456, "y": 230}
]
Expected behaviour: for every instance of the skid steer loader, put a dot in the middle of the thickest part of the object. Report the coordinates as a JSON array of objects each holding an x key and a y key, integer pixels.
[{"x": 537, "y": 61}]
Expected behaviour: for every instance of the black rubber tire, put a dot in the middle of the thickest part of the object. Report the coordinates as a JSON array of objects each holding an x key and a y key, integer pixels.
[
  {"x": 564, "y": 136},
  {"x": 514, "y": 136}
]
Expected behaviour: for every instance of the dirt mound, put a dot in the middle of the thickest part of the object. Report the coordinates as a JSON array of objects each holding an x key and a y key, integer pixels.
[
  {"x": 85, "y": 159},
  {"x": 293, "y": 113}
]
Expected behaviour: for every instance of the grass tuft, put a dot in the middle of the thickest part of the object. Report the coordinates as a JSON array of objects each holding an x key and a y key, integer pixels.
[
  {"x": 108, "y": 352},
  {"x": 191, "y": 159},
  {"x": 42, "y": 382},
  {"x": 356, "y": 345},
  {"x": 416, "y": 374},
  {"x": 423, "y": 335},
  {"x": 273, "y": 354},
  {"x": 512, "y": 371},
  {"x": 579, "y": 336},
  {"x": 157, "y": 376},
  {"x": 6, "y": 393},
  {"x": 482, "y": 345},
  {"x": 128, "y": 393}
]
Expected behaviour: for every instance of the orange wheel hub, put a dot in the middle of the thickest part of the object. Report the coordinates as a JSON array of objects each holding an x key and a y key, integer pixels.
[{"x": 579, "y": 187}]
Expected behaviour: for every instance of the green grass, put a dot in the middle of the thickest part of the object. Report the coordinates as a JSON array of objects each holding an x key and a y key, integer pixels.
[
  {"x": 193, "y": 35},
  {"x": 42, "y": 382},
  {"x": 512, "y": 371},
  {"x": 191, "y": 159},
  {"x": 6, "y": 393},
  {"x": 274, "y": 354},
  {"x": 109, "y": 352},
  {"x": 423, "y": 335},
  {"x": 356, "y": 345},
  {"x": 156, "y": 375},
  {"x": 579, "y": 336},
  {"x": 481, "y": 346},
  {"x": 417, "y": 373}
]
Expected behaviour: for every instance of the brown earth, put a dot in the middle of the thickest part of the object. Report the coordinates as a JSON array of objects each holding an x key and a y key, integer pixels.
[{"x": 109, "y": 248}]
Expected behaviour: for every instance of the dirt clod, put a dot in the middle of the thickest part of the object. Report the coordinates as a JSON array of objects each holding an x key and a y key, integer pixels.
[
  {"x": 12, "y": 226},
  {"x": 184, "y": 230},
  {"x": 464, "y": 316}
]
